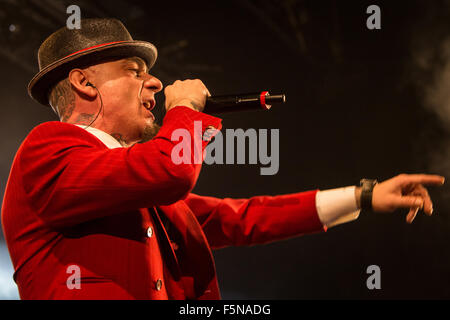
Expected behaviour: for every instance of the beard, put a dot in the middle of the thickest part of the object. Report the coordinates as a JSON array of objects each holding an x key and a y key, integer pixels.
[{"x": 150, "y": 132}]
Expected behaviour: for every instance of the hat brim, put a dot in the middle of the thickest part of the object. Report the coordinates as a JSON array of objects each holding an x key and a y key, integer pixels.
[{"x": 42, "y": 82}]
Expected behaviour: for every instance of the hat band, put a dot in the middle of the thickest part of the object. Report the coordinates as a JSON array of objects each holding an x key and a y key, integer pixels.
[{"x": 96, "y": 46}]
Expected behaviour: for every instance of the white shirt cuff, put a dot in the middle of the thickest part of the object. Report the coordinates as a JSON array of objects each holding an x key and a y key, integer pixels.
[{"x": 336, "y": 206}]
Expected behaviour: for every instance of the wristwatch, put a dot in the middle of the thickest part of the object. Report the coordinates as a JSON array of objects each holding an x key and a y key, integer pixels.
[{"x": 367, "y": 186}]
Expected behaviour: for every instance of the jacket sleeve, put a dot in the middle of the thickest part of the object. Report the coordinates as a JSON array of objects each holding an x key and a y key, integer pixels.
[
  {"x": 258, "y": 220},
  {"x": 70, "y": 177}
]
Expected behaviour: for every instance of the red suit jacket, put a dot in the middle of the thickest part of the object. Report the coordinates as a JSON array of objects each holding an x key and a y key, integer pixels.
[{"x": 71, "y": 201}]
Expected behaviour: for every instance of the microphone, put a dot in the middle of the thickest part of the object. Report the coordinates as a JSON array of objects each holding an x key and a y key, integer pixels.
[{"x": 242, "y": 102}]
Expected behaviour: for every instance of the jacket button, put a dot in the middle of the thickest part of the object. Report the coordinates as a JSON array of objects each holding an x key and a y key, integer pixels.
[
  {"x": 149, "y": 232},
  {"x": 158, "y": 284},
  {"x": 174, "y": 245}
]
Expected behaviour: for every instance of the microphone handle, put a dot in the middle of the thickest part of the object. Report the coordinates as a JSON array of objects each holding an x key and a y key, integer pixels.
[{"x": 242, "y": 102}]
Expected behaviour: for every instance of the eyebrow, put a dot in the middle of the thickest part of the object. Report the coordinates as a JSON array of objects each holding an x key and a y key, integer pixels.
[{"x": 141, "y": 64}]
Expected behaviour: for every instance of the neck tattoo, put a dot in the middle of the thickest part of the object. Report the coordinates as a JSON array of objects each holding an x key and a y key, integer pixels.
[{"x": 120, "y": 138}]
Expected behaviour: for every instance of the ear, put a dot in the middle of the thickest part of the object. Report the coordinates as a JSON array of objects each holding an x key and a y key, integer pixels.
[{"x": 78, "y": 80}]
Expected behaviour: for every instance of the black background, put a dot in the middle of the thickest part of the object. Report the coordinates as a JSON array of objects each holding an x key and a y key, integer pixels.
[{"x": 358, "y": 105}]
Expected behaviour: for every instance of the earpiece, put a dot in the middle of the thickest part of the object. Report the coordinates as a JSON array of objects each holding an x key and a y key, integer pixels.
[{"x": 88, "y": 84}]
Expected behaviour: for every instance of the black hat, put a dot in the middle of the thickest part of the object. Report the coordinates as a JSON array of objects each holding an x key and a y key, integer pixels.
[{"x": 96, "y": 40}]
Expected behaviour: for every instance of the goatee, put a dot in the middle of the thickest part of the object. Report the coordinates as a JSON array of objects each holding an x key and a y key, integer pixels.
[{"x": 150, "y": 132}]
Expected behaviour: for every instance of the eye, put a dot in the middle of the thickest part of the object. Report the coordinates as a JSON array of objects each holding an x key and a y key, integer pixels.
[{"x": 137, "y": 71}]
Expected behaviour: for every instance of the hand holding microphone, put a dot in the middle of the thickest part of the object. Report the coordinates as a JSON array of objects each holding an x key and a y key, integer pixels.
[{"x": 189, "y": 93}]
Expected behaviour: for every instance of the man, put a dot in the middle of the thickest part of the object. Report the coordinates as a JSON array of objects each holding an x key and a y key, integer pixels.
[{"x": 95, "y": 208}]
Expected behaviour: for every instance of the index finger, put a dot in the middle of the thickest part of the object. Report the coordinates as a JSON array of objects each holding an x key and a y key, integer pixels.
[{"x": 428, "y": 179}]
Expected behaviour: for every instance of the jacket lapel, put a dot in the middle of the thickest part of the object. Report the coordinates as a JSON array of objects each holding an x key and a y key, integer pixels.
[{"x": 194, "y": 254}]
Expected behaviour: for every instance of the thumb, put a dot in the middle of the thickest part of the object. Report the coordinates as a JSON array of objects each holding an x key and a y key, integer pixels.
[{"x": 408, "y": 202}]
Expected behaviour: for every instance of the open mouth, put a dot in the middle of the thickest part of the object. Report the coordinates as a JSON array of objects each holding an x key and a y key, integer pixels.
[{"x": 149, "y": 105}]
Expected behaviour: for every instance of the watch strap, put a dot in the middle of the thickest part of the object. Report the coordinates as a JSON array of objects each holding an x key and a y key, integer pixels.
[{"x": 367, "y": 186}]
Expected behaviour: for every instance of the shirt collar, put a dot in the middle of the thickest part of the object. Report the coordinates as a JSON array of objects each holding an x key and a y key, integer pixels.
[{"x": 107, "y": 139}]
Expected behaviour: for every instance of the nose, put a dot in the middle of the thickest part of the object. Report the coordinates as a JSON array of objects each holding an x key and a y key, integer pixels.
[{"x": 152, "y": 83}]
